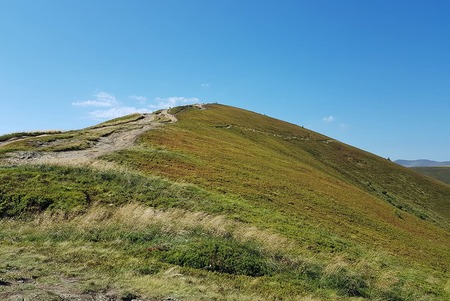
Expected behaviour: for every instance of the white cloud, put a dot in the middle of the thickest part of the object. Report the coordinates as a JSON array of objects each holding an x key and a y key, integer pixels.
[
  {"x": 102, "y": 99},
  {"x": 205, "y": 85},
  {"x": 113, "y": 107},
  {"x": 165, "y": 103},
  {"x": 328, "y": 118},
  {"x": 116, "y": 112},
  {"x": 110, "y": 107}
]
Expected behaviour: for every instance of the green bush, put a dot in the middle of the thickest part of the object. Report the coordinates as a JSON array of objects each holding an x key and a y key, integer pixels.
[
  {"x": 222, "y": 255},
  {"x": 346, "y": 282}
]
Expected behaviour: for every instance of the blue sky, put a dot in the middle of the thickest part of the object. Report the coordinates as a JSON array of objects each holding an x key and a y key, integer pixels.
[{"x": 373, "y": 74}]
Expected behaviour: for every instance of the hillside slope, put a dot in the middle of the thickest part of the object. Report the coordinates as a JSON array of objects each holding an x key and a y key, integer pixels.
[
  {"x": 442, "y": 173},
  {"x": 221, "y": 203}
]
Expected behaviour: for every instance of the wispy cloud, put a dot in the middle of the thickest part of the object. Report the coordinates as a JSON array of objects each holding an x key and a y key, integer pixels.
[
  {"x": 113, "y": 108},
  {"x": 165, "y": 103},
  {"x": 328, "y": 118},
  {"x": 205, "y": 85},
  {"x": 105, "y": 105},
  {"x": 101, "y": 99}
]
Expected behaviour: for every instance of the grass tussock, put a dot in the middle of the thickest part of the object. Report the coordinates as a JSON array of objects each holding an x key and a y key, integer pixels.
[
  {"x": 18, "y": 135},
  {"x": 56, "y": 141},
  {"x": 119, "y": 121}
]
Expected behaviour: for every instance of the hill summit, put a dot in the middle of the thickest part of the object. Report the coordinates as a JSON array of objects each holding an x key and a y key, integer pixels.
[{"x": 212, "y": 202}]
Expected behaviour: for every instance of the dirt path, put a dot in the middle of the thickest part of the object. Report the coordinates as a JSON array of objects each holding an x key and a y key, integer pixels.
[
  {"x": 113, "y": 137},
  {"x": 123, "y": 136},
  {"x": 171, "y": 117}
]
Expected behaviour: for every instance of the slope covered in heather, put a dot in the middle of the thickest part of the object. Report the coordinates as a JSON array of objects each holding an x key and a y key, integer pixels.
[
  {"x": 442, "y": 173},
  {"x": 215, "y": 202}
]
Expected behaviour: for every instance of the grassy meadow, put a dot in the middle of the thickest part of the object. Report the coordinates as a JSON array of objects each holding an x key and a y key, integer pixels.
[{"x": 224, "y": 204}]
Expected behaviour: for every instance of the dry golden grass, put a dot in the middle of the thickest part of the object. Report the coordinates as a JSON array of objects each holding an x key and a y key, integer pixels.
[{"x": 135, "y": 217}]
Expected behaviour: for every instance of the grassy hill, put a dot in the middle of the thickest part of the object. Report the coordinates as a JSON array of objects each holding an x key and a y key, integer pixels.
[
  {"x": 223, "y": 204},
  {"x": 442, "y": 173}
]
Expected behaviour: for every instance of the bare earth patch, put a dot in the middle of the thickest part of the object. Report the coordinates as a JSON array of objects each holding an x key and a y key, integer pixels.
[{"x": 120, "y": 137}]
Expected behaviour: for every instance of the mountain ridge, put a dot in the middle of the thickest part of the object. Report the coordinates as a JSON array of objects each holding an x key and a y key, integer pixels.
[{"x": 422, "y": 163}]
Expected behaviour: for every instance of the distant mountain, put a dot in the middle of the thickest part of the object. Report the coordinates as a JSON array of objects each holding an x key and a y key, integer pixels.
[{"x": 421, "y": 163}]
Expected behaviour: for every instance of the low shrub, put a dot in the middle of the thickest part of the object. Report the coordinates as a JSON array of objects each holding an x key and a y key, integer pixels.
[
  {"x": 346, "y": 282},
  {"x": 223, "y": 255}
]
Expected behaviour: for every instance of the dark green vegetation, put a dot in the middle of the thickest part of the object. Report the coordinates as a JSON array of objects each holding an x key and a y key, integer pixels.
[
  {"x": 440, "y": 173},
  {"x": 32, "y": 189},
  {"x": 226, "y": 204}
]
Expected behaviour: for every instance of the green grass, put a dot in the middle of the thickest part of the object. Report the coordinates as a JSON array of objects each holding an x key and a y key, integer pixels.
[
  {"x": 57, "y": 142},
  {"x": 120, "y": 250},
  {"x": 31, "y": 189},
  {"x": 227, "y": 204},
  {"x": 295, "y": 174},
  {"x": 84, "y": 229},
  {"x": 222, "y": 255},
  {"x": 119, "y": 120},
  {"x": 303, "y": 184},
  {"x": 26, "y": 134},
  {"x": 179, "y": 109},
  {"x": 440, "y": 173}
]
